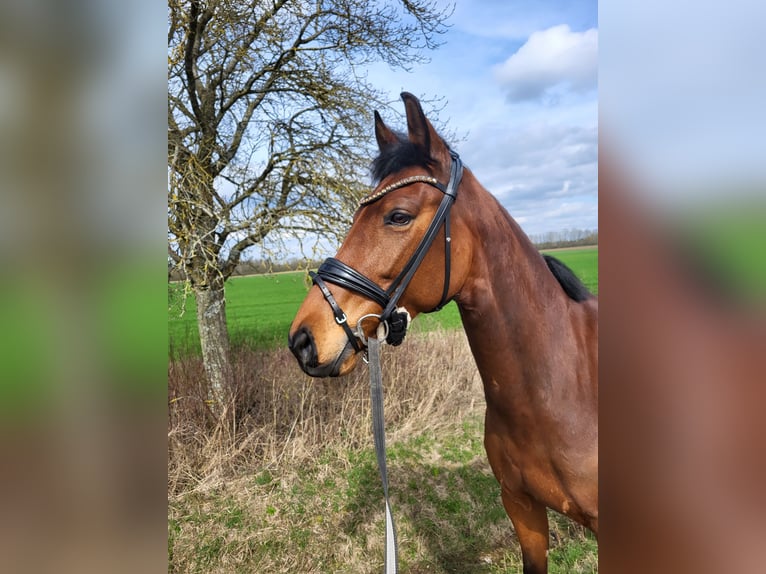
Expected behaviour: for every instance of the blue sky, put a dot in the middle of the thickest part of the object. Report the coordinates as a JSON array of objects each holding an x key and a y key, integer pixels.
[
  {"x": 518, "y": 81},
  {"x": 516, "y": 84}
]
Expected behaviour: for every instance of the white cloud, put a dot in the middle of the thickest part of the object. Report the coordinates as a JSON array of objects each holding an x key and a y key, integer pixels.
[
  {"x": 551, "y": 59},
  {"x": 545, "y": 174}
]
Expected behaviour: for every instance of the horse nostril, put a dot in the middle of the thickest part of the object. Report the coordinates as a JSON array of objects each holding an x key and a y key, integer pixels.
[{"x": 302, "y": 346}]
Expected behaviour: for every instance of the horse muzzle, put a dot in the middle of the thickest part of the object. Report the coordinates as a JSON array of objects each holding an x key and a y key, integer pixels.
[{"x": 303, "y": 346}]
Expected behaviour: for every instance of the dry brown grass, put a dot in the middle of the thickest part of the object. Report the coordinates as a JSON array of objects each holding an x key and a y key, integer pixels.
[
  {"x": 280, "y": 416},
  {"x": 288, "y": 481}
]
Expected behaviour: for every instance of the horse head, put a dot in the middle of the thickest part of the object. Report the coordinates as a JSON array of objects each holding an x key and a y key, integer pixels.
[{"x": 402, "y": 256}]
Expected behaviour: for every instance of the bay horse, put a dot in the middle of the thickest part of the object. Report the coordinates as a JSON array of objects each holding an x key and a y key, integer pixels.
[{"x": 531, "y": 325}]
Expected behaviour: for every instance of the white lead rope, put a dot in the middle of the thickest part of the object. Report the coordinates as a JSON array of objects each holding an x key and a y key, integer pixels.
[{"x": 379, "y": 434}]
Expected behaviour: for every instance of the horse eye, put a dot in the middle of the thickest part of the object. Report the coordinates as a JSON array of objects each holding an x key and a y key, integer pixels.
[{"x": 398, "y": 218}]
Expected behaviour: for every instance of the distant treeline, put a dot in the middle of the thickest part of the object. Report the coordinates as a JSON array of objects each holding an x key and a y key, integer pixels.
[
  {"x": 550, "y": 240},
  {"x": 565, "y": 238},
  {"x": 260, "y": 267}
]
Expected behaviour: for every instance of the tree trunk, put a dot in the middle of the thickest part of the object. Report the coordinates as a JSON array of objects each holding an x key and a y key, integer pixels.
[{"x": 214, "y": 339}]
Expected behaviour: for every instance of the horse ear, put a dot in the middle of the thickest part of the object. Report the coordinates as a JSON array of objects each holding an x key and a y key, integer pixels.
[
  {"x": 383, "y": 133},
  {"x": 420, "y": 130}
]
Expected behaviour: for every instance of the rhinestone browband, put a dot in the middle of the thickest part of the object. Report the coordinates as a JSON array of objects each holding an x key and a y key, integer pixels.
[{"x": 396, "y": 185}]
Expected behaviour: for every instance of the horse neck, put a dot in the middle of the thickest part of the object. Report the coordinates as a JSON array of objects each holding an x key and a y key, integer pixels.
[{"x": 510, "y": 302}]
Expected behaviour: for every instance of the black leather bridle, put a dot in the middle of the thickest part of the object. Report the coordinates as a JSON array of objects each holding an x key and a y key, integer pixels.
[{"x": 334, "y": 271}]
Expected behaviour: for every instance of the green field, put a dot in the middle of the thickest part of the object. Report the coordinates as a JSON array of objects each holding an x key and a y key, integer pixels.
[{"x": 260, "y": 308}]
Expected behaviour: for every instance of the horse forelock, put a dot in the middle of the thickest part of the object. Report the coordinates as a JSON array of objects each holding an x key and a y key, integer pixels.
[{"x": 399, "y": 156}]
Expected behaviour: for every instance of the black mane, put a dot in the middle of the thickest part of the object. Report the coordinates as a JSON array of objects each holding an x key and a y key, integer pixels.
[
  {"x": 572, "y": 286},
  {"x": 399, "y": 156}
]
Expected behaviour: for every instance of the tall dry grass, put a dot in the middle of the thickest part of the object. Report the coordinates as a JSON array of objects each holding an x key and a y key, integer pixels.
[
  {"x": 286, "y": 481},
  {"x": 280, "y": 418}
]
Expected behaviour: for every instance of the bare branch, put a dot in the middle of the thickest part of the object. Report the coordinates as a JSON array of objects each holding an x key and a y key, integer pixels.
[{"x": 269, "y": 117}]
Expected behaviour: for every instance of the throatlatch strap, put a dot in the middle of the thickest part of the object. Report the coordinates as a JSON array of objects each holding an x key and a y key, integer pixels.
[
  {"x": 447, "y": 265},
  {"x": 379, "y": 434}
]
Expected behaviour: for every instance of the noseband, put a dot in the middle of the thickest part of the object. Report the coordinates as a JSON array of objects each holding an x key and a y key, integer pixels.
[{"x": 338, "y": 273}]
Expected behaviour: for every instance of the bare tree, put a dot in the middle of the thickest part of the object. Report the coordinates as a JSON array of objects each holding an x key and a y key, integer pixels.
[{"x": 268, "y": 128}]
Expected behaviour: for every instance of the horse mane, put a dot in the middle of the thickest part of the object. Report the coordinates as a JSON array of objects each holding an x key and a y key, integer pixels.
[
  {"x": 398, "y": 156},
  {"x": 569, "y": 282}
]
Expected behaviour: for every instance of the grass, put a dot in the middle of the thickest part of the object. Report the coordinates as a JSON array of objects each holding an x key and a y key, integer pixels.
[
  {"x": 328, "y": 516},
  {"x": 289, "y": 483},
  {"x": 260, "y": 308}
]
